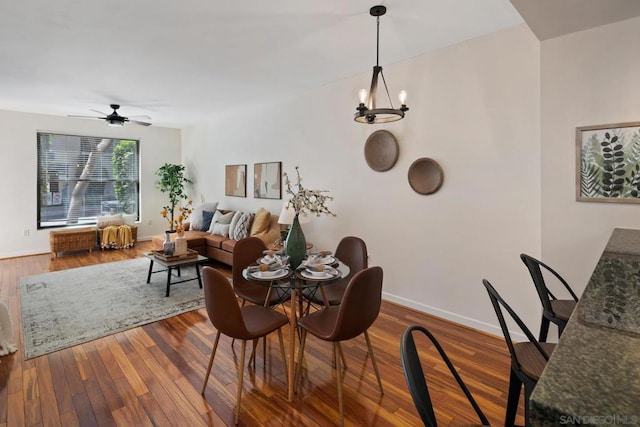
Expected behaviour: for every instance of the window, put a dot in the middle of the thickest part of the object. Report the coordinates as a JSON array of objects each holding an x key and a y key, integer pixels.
[{"x": 82, "y": 177}]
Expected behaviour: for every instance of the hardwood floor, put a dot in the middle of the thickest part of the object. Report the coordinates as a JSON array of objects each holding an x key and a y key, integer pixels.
[{"x": 152, "y": 375}]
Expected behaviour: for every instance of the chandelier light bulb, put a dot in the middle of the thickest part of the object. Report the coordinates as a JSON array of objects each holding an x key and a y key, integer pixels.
[
  {"x": 402, "y": 96},
  {"x": 363, "y": 95}
]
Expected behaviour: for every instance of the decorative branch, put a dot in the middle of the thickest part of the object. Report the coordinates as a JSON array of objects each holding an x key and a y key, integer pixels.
[{"x": 304, "y": 200}]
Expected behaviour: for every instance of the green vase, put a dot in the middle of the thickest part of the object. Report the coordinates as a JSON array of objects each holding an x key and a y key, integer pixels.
[{"x": 296, "y": 245}]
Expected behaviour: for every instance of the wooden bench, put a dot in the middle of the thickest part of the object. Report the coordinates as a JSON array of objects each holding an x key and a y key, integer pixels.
[{"x": 74, "y": 239}]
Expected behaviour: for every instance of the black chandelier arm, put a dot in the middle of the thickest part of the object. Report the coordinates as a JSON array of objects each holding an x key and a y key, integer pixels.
[
  {"x": 386, "y": 88},
  {"x": 371, "y": 101}
]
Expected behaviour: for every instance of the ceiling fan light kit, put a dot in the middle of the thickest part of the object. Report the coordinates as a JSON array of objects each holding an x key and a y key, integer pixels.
[
  {"x": 115, "y": 119},
  {"x": 366, "y": 111}
]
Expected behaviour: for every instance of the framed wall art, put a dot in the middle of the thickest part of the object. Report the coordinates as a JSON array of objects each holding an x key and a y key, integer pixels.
[
  {"x": 235, "y": 180},
  {"x": 267, "y": 181},
  {"x": 608, "y": 163}
]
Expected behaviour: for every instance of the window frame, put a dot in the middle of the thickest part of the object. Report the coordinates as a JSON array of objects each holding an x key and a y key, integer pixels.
[{"x": 43, "y": 224}]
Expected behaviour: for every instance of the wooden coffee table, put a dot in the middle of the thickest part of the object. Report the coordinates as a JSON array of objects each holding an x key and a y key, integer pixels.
[{"x": 171, "y": 265}]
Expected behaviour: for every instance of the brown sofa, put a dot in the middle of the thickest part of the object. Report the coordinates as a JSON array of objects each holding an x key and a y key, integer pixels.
[{"x": 220, "y": 248}]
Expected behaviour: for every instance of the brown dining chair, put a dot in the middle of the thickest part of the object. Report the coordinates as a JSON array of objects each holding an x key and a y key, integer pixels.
[
  {"x": 554, "y": 310},
  {"x": 352, "y": 251},
  {"x": 528, "y": 359},
  {"x": 357, "y": 312},
  {"x": 243, "y": 323},
  {"x": 246, "y": 252}
]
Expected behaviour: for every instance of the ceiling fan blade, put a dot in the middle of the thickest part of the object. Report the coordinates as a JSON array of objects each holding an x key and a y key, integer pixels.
[
  {"x": 99, "y": 112},
  {"x": 87, "y": 117},
  {"x": 140, "y": 117},
  {"x": 139, "y": 123}
]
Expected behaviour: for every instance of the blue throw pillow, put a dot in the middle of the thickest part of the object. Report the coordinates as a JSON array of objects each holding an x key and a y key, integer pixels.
[{"x": 206, "y": 220}]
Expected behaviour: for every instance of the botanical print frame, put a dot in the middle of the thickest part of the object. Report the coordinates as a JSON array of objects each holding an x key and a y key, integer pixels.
[
  {"x": 235, "y": 180},
  {"x": 608, "y": 163},
  {"x": 267, "y": 180}
]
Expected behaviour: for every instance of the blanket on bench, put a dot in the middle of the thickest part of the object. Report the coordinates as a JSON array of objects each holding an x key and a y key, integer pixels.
[{"x": 116, "y": 237}]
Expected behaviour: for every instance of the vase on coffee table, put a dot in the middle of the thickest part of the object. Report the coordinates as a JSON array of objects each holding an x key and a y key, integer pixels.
[{"x": 168, "y": 247}]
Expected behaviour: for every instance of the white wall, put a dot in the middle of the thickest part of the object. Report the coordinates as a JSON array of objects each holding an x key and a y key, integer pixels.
[
  {"x": 587, "y": 78},
  {"x": 18, "y": 166},
  {"x": 484, "y": 109},
  {"x": 474, "y": 109}
]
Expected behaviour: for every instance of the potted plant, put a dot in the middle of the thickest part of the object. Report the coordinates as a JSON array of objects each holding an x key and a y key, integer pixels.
[{"x": 172, "y": 181}]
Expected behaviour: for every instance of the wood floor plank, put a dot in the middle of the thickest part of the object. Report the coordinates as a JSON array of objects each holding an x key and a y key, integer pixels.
[
  {"x": 60, "y": 383},
  {"x": 105, "y": 383},
  {"x": 132, "y": 412},
  {"x": 152, "y": 375},
  {"x": 84, "y": 411},
  {"x": 72, "y": 372},
  {"x": 48, "y": 398},
  {"x": 160, "y": 396},
  {"x": 15, "y": 410},
  {"x": 129, "y": 372}
]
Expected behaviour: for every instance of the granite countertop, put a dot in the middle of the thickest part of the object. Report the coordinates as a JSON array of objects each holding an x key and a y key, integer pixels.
[
  {"x": 624, "y": 241},
  {"x": 593, "y": 376}
]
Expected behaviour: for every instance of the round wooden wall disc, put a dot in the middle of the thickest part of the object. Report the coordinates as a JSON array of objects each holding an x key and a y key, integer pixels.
[
  {"x": 381, "y": 150},
  {"x": 425, "y": 176}
]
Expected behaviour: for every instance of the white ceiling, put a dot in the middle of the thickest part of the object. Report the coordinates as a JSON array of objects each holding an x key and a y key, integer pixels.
[
  {"x": 181, "y": 62},
  {"x": 553, "y": 18}
]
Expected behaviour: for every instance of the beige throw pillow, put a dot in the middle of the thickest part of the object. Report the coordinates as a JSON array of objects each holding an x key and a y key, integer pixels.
[
  {"x": 221, "y": 219},
  {"x": 221, "y": 230},
  {"x": 260, "y": 222},
  {"x": 107, "y": 220}
]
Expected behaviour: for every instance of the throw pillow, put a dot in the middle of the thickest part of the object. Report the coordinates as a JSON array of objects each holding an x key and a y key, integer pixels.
[
  {"x": 221, "y": 229},
  {"x": 220, "y": 218},
  {"x": 226, "y": 218},
  {"x": 196, "y": 215},
  {"x": 214, "y": 220},
  {"x": 107, "y": 220},
  {"x": 129, "y": 219},
  {"x": 206, "y": 221},
  {"x": 260, "y": 222},
  {"x": 234, "y": 221},
  {"x": 243, "y": 226}
]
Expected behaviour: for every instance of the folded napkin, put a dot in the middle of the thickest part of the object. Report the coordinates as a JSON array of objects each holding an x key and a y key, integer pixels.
[
  {"x": 325, "y": 268},
  {"x": 271, "y": 267}
]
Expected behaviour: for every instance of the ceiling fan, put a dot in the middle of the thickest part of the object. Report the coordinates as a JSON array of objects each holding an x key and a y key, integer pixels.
[{"x": 115, "y": 119}]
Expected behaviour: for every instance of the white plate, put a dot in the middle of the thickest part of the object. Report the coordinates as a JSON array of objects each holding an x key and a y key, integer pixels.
[
  {"x": 327, "y": 260},
  {"x": 276, "y": 274},
  {"x": 315, "y": 273},
  {"x": 327, "y": 274}
]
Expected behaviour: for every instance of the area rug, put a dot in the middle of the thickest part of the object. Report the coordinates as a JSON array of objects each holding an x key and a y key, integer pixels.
[{"x": 70, "y": 307}]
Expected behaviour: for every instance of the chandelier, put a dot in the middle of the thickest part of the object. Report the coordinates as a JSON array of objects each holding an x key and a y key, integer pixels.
[{"x": 367, "y": 111}]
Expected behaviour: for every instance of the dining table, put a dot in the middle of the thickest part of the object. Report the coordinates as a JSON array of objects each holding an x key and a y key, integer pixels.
[
  {"x": 593, "y": 375},
  {"x": 297, "y": 281}
]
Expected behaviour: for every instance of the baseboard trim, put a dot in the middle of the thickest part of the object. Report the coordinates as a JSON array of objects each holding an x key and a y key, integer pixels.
[{"x": 453, "y": 317}]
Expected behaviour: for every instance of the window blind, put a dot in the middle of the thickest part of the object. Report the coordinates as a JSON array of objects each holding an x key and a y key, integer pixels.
[{"x": 82, "y": 177}]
